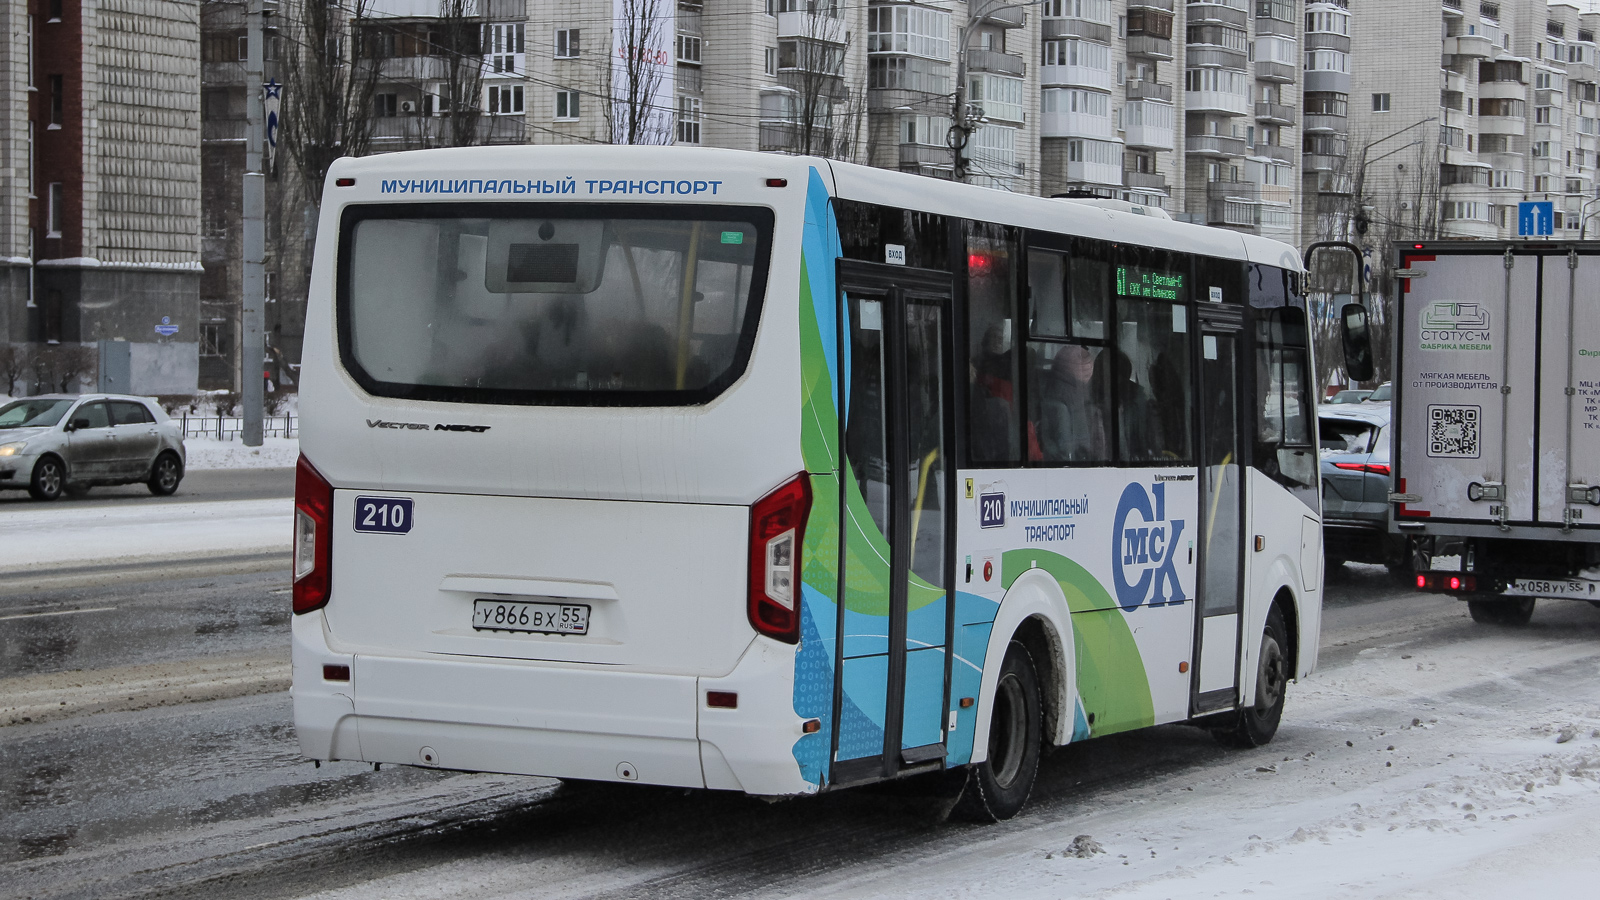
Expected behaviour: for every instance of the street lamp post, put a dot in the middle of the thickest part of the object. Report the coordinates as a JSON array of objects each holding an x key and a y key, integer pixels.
[
  {"x": 1361, "y": 168},
  {"x": 963, "y": 123}
]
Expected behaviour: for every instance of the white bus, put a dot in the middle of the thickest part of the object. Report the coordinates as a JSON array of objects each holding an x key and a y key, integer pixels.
[{"x": 773, "y": 474}]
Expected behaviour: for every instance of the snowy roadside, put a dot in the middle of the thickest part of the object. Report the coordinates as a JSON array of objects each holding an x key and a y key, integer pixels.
[
  {"x": 210, "y": 453},
  {"x": 63, "y": 537}
]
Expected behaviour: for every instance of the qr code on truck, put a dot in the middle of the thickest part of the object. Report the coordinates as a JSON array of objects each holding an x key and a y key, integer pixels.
[{"x": 1453, "y": 431}]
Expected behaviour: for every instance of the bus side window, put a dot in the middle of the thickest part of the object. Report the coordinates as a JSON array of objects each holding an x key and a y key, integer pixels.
[
  {"x": 1150, "y": 368},
  {"x": 1284, "y": 448},
  {"x": 1069, "y": 411},
  {"x": 992, "y": 433}
]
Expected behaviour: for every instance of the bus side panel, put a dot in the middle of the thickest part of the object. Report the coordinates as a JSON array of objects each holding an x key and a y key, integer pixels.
[
  {"x": 1117, "y": 543},
  {"x": 819, "y": 439},
  {"x": 1290, "y": 557},
  {"x": 1453, "y": 329}
]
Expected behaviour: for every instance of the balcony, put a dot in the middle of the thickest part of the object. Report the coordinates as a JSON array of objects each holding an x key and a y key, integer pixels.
[
  {"x": 1274, "y": 113},
  {"x": 223, "y": 129},
  {"x": 1275, "y": 26},
  {"x": 1212, "y": 55},
  {"x": 417, "y": 68},
  {"x": 1007, "y": 17},
  {"x": 1250, "y": 206},
  {"x": 1282, "y": 73},
  {"x": 1318, "y": 123},
  {"x": 1322, "y": 163},
  {"x": 1474, "y": 46},
  {"x": 1203, "y": 13},
  {"x": 811, "y": 27},
  {"x": 1148, "y": 125},
  {"x": 1148, "y": 90},
  {"x": 1148, "y": 46},
  {"x": 1078, "y": 28},
  {"x": 1502, "y": 125},
  {"x": 1217, "y": 102},
  {"x": 1146, "y": 181},
  {"x": 992, "y": 61},
  {"x": 1331, "y": 183},
  {"x": 1095, "y": 173},
  {"x": 1502, "y": 90},
  {"x": 1322, "y": 40},
  {"x": 1163, "y": 5},
  {"x": 1214, "y": 145},
  {"x": 1276, "y": 153},
  {"x": 1075, "y": 124},
  {"x": 1075, "y": 76}
]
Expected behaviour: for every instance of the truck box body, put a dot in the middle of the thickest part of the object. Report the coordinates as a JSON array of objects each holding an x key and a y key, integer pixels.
[{"x": 1497, "y": 397}]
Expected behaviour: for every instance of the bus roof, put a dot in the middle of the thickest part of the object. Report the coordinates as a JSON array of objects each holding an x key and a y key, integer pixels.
[
  {"x": 933, "y": 195},
  {"x": 854, "y": 182}
]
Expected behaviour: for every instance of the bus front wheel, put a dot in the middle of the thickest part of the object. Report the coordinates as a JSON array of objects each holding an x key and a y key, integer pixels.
[
  {"x": 1257, "y": 722},
  {"x": 999, "y": 786}
]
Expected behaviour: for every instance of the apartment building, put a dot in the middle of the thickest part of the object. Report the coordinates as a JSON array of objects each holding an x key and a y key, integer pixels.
[
  {"x": 1511, "y": 118},
  {"x": 1328, "y": 183},
  {"x": 110, "y": 179}
]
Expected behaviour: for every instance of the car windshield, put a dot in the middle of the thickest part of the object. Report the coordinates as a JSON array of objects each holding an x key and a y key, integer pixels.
[
  {"x": 1345, "y": 436},
  {"x": 1382, "y": 393},
  {"x": 33, "y": 413},
  {"x": 1349, "y": 396}
]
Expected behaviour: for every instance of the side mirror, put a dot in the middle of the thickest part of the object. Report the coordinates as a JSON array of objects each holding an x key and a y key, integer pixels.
[
  {"x": 1357, "y": 342},
  {"x": 79, "y": 423}
]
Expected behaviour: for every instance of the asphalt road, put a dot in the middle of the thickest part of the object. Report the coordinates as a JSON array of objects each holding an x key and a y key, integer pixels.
[
  {"x": 213, "y": 798},
  {"x": 199, "y": 484}
]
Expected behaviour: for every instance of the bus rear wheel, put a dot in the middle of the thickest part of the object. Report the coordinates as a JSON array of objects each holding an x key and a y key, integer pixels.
[
  {"x": 1502, "y": 612},
  {"x": 999, "y": 786},
  {"x": 1257, "y": 722}
]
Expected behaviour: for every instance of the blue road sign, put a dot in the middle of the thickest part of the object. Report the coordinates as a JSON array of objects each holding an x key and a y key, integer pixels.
[{"x": 1536, "y": 219}]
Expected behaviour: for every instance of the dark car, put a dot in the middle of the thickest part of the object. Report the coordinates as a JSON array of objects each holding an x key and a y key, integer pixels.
[{"x": 1354, "y": 439}]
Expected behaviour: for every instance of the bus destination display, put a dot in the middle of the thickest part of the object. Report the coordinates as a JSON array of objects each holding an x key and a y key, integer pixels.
[{"x": 1133, "y": 281}]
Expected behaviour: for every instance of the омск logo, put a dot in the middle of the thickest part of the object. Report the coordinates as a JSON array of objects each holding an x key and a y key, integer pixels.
[{"x": 1143, "y": 549}]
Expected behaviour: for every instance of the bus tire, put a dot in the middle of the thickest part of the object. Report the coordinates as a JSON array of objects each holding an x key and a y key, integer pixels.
[
  {"x": 1257, "y": 722},
  {"x": 999, "y": 786},
  {"x": 1502, "y": 612}
]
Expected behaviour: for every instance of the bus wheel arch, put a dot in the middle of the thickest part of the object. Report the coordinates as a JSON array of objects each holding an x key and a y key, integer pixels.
[
  {"x": 1290, "y": 610},
  {"x": 1034, "y": 613}
]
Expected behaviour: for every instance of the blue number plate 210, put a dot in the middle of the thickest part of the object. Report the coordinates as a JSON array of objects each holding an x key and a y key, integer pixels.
[{"x": 383, "y": 515}]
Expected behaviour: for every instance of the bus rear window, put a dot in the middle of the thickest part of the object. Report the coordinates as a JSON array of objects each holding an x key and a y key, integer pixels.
[{"x": 551, "y": 303}]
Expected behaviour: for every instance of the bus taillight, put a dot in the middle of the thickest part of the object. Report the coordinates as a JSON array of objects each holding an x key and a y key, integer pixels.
[
  {"x": 777, "y": 528},
  {"x": 313, "y": 538}
]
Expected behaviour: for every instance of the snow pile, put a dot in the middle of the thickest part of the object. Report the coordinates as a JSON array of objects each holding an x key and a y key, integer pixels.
[
  {"x": 210, "y": 453},
  {"x": 61, "y": 535}
]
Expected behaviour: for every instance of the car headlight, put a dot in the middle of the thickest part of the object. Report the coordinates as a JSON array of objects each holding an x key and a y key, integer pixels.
[{"x": 13, "y": 448}]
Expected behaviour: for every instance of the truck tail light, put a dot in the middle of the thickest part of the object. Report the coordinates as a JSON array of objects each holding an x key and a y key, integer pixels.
[
  {"x": 1444, "y": 582},
  {"x": 777, "y": 530},
  {"x": 313, "y": 538}
]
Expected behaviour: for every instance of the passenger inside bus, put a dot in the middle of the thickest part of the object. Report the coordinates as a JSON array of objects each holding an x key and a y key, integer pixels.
[
  {"x": 992, "y": 396},
  {"x": 1072, "y": 426}
]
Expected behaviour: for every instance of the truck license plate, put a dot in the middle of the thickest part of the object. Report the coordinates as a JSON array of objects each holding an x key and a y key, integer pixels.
[
  {"x": 1540, "y": 587},
  {"x": 537, "y": 618}
]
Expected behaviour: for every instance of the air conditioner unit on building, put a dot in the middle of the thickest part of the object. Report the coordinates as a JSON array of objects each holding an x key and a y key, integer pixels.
[{"x": 408, "y": 106}]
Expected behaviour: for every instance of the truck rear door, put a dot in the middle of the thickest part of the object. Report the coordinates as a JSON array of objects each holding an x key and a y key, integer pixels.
[{"x": 1569, "y": 378}]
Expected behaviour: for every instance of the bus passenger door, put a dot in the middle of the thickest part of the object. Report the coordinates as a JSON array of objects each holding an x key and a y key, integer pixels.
[
  {"x": 896, "y": 520},
  {"x": 1215, "y": 680}
]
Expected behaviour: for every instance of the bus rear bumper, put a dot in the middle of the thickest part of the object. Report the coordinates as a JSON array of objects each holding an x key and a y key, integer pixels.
[{"x": 562, "y": 721}]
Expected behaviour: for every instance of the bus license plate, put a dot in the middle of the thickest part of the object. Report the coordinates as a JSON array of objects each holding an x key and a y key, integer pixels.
[{"x": 538, "y": 618}]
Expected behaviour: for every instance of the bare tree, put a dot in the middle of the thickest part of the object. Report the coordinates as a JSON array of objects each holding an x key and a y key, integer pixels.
[
  {"x": 459, "y": 44},
  {"x": 329, "y": 77},
  {"x": 15, "y": 361},
  {"x": 816, "y": 75},
  {"x": 634, "y": 77},
  {"x": 61, "y": 367}
]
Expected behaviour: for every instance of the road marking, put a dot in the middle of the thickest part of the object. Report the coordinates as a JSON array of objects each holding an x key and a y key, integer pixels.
[{"x": 60, "y": 612}]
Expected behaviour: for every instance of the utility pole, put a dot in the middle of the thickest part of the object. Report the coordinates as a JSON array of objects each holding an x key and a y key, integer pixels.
[
  {"x": 251, "y": 348},
  {"x": 962, "y": 120}
]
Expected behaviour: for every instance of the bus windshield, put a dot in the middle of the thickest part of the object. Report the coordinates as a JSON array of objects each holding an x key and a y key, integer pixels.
[{"x": 539, "y": 303}]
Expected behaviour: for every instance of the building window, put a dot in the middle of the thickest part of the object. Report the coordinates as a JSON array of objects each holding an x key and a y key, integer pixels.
[
  {"x": 567, "y": 105},
  {"x": 503, "y": 43},
  {"x": 1380, "y": 102},
  {"x": 689, "y": 49},
  {"x": 505, "y": 99},
  {"x": 1541, "y": 184},
  {"x": 56, "y": 214},
  {"x": 213, "y": 339},
  {"x": 688, "y": 120},
  {"x": 566, "y": 43},
  {"x": 771, "y": 61},
  {"x": 385, "y": 104},
  {"x": 58, "y": 100}
]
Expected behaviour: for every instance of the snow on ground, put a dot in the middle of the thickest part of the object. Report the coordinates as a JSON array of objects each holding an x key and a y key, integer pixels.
[
  {"x": 210, "y": 453},
  {"x": 60, "y": 536},
  {"x": 1432, "y": 768}
]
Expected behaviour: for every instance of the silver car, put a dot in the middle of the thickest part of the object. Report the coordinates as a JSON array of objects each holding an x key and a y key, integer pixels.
[
  {"x": 1355, "y": 486},
  {"x": 67, "y": 443}
]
